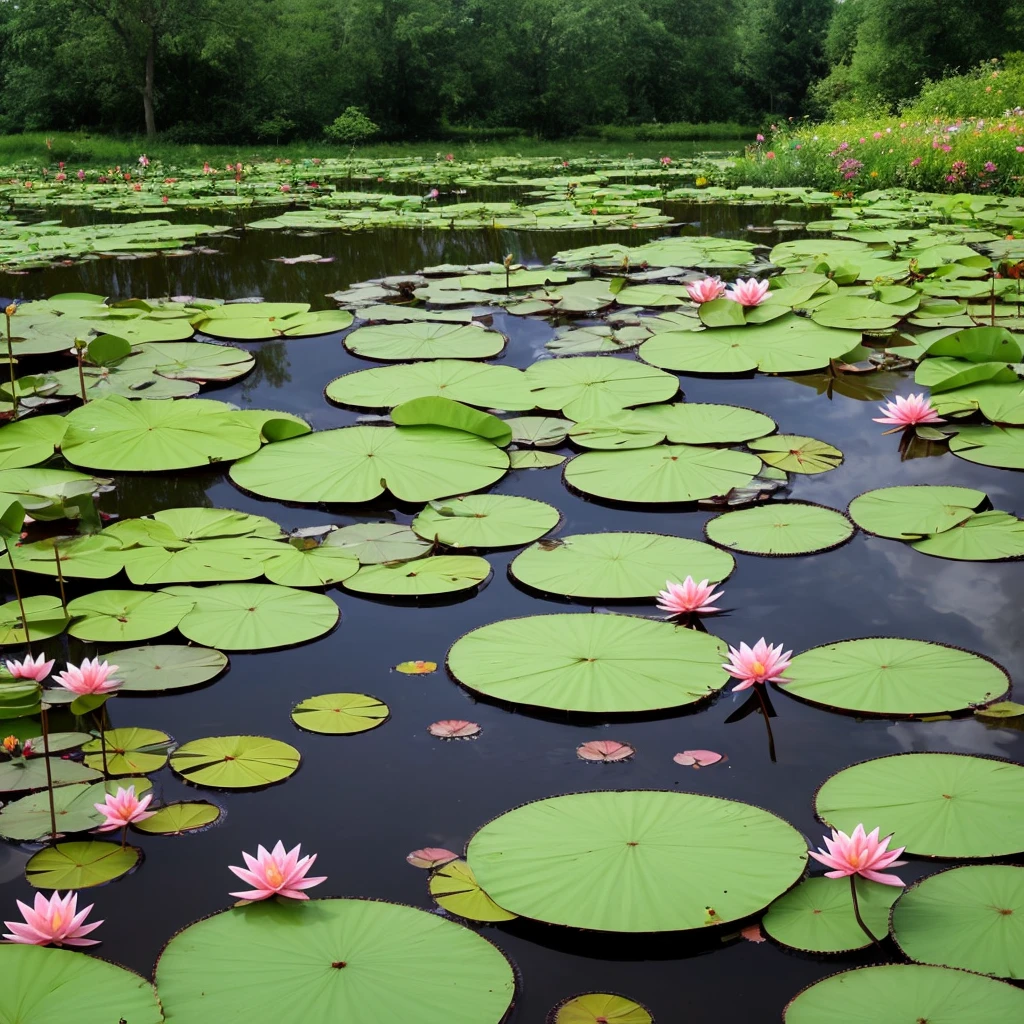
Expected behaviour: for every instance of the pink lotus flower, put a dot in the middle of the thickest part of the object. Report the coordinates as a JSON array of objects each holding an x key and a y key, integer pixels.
[
  {"x": 666, "y": 161},
  {"x": 688, "y": 597},
  {"x": 748, "y": 293},
  {"x": 91, "y": 677},
  {"x": 30, "y": 668},
  {"x": 61, "y": 177},
  {"x": 449, "y": 157},
  {"x": 54, "y": 921},
  {"x": 761, "y": 663},
  {"x": 276, "y": 874},
  {"x": 859, "y": 854},
  {"x": 286, "y": 188},
  {"x": 453, "y": 729},
  {"x": 759, "y": 137},
  {"x": 143, "y": 160},
  {"x": 908, "y": 412},
  {"x": 123, "y": 808},
  {"x": 81, "y": 175},
  {"x": 706, "y": 289}
]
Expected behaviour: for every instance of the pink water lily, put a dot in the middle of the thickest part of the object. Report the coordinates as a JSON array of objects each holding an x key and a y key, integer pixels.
[
  {"x": 706, "y": 289},
  {"x": 30, "y": 668},
  {"x": 90, "y": 677},
  {"x": 276, "y": 873},
  {"x": 688, "y": 597},
  {"x": 761, "y": 663},
  {"x": 749, "y": 292},
  {"x": 908, "y": 412},
  {"x": 123, "y": 808},
  {"x": 859, "y": 854},
  {"x": 431, "y": 857},
  {"x": 55, "y": 921},
  {"x": 453, "y": 729},
  {"x": 698, "y": 758}
]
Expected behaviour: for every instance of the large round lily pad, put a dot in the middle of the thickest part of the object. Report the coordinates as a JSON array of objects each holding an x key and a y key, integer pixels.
[
  {"x": 817, "y": 916},
  {"x": 80, "y": 865},
  {"x": 595, "y": 1007},
  {"x": 161, "y": 667},
  {"x": 358, "y": 961},
  {"x": 679, "y": 422},
  {"x": 894, "y": 676},
  {"x": 254, "y": 616},
  {"x": 620, "y": 566},
  {"x": 119, "y": 616},
  {"x": 636, "y": 861},
  {"x": 235, "y": 762},
  {"x": 398, "y": 342},
  {"x": 907, "y": 513},
  {"x": 780, "y": 528},
  {"x": 485, "y": 521},
  {"x": 938, "y": 805},
  {"x": 970, "y": 917},
  {"x": 905, "y": 993},
  {"x": 593, "y": 663},
  {"x": 41, "y": 985},
  {"x": 664, "y": 473},
  {"x": 340, "y": 714},
  {"x": 436, "y": 574},
  {"x": 356, "y": 464}
]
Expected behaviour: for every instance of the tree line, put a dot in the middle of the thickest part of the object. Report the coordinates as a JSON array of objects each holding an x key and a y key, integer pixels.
[{"x": 241, "y": 70}]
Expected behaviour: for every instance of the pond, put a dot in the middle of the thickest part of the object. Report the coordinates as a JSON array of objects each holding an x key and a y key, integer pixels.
[{"x": 362, "y": 802}]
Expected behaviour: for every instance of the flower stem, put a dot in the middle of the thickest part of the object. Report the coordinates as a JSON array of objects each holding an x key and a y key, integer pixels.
[
  {"x": 60, "y": 579},
  {"x": 21, "y": 604},
  {"x": 10, "y": 363},
  {"x": 767, "y": 722},
  {"x": 44, "y": 717},
  {"x": 856, "y": 913}
]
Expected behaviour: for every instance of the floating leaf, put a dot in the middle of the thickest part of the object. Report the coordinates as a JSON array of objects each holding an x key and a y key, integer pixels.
[
  {"x": 235, "y": 762},
  {"x": 597, "y": 1007},
  {"x": 908, "y": 513},
  {"x": 431, "y": 857},
  {"x": 416, "y": 668},
  {"x": 177, "y": 819},
  {"x": 315, "y": 566},
  {"x": 485, "y": 521},
  {"x": 698, "y": 758},
  {"x": 985, "y": 537},
  {"x": 1002, "y": 447},
  {"x": 74, "y": 809},
  {"x": 780, "y": 528},
  {"x": 938, "y": 805},
  {"x": 436, "y": 574},
  {"x": 604, "y": 750},
  {"x": 541, "y": 431},
  {"x": 408, "y": 341},
  {"x": 161, "y": 667},
  {"x": 45, "y": 616},
  {"x": 373, "y": 543},
  {"x": 455, "y": 889},
  {"x": 454, "y": 729},
  {"x": 29, "y": 442},
  {"x": 119, "y": 616},
  {"x": 129, "y": 751},
  {"x": 534, "y": 460},
  {"x": 23, "y": 775},
  {"x": 443, "y": 412},
  {"x": 340, "y": 714},
  {"x": 795, "y": 454},
  {"x": 80, "y": 865},
  {"x": 636, "y": 861},
  {"x": 1001, "y": 709}
]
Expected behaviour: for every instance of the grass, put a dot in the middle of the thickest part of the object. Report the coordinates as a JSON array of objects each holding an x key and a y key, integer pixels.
[{"x": 35, "y": 150}]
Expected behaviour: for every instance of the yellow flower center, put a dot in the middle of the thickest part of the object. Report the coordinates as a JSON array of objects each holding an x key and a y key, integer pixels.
[
  {"x": 758, "y": 668},
  {"x": 273, "y": 874},
  {"x": 853, "y": 859},
  {"x": 56, "y": 920}
]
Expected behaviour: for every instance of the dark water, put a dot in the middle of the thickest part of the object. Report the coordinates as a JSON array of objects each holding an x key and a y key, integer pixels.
[{"x": 363, "y": 802}]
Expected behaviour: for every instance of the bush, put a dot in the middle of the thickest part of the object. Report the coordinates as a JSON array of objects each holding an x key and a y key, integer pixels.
[
  {"x": 987, "y": 91},
  {"x": 351, "y": 128},
  {"x": 275, "y": 128}
]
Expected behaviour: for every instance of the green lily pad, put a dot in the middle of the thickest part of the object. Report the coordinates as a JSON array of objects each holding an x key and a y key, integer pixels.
[
  {"x": 454, "y": 888},
  {"x": 443, "y": 412},
  {"x": 1002, "y": 447},
  {"x": 485, "y": 521},
  {"x": 235, "y": 762},
  {"x": 318, "y": 565},
  {"x": 938, "y": 805},
  {"x": 92, "y": 557},
  {"x": 540, "y": 431},
  {"x": 372, "y": 543},
  {"x": 534, "y": 460},
  {"x": 435, "y": 574},
  {"x": 780, "y": 528},
  {"x": 39, "y": 985},
  {"x": 21, "y": 776},
  {"x": 45, "y": 617},
  {"x": 119, "y": 616},
  {"x": 80, "y": 865},
  {"x": 970, "y": 917},
  {"x": 50, "y": 493},
  {"x": 636, "y": 861},
  {"x": 621, "y": 566},
  {"x": 588, "y": 387},
  {"x": 355, "y": 464},
  {"x": 130, "y": 751},
  {"x": 895, "y": 993},
  {"x": 817, "y": 916},
  {"x": 1000, "y": 403},
  {"x": 664, "y": 473},
  {"x": 340, "y": 714},
  {"x": 160, "y": 667},
  {"x": 894, "y": 677},
  {"x": 909, "y": 513},
  {"x": 794, "y": 454},
  {"x": 360, "y": 961},
  {"x": 985, "y": 537},
  {"x": 254, "y": 616},
  {"x": 179, "y": 818},
  {"x": 860, "y": 313},
  {"x": 478, "y": 384},
  {"x": 589, "y": 663},
  {"x": 418, "y": 340},
  {"x": 29, "y": 442},
  {"x": 28, "y": 819},
  {"x": 117, "y": 434},
  {"x": 593, "y": 1007},
  {"x": 255, "y": 321}
]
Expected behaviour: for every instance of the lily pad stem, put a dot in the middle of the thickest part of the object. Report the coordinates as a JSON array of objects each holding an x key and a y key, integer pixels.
[
  {"x": 856, "y": 913},
  {"x": 44, "y": 718},
  {"x": 60, "y": 579},
  {"x": 10, "y": 365},
  {"x": 21, "y": 604}
]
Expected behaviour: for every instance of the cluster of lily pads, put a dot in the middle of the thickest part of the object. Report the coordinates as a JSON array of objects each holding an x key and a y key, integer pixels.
[{"x": 455, "y": 424}]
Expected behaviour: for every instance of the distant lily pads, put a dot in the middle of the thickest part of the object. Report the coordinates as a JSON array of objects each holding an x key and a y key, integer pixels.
[
  {"x": 340, "y": 714},
  {"x": 780, "y": 528},
  {"x": 485, "y": 521},
  {"x": 235, "y": 762}
]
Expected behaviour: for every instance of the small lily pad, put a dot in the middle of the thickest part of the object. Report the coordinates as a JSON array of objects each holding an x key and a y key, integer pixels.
[
  {"x": 177, "y": 819},
  {"x": 795, "y": 454},
  {"x": 235, "y": 762},
  {"x": 455, "y": 888},
  {"x": 80, "y": 865}
]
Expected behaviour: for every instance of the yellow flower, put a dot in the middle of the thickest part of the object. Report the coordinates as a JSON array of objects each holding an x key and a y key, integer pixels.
[
  {"x": 701, "y": 182},
  {"x": 11, "y": 309},
  {"x": 874, "y": 174}
]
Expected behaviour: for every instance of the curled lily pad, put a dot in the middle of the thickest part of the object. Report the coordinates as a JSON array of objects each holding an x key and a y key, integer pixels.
[
  {"x": 894, "y": 677},
  {"x": 938, "y": 805},
  {"x": 29, "y": 442},
  {"x": 355, "y": 464},
  {"x": 177, "y": 819},
  {"x": 485, "y": 521},
  {"x": 893, "y": 993},
  {"x": 373, "y": 961},
  {"x": 909, "y": 513},
  {"x": 617, "y": 565},
  {"x": 780, "y": 528},
  {"x": 589, "y": 663},
  {"x": 418, "y": 340},
  {"x": 340, "y": 714},
  {"x": 432, "y": 411},
  {"x": 455, "y": 889},
  {"x": 373, "y": 543},
  {"x": 160, "y": 667},
  {"x": 970, "y": 917},
  {"x": 594, "y": 1007},
  {"x": 45, "y": 617},
  {"x": 794, "y": 454},
  {"x": 635, "y": 861},
  {"x": 39, "y": 984},
  {"x": 80, "y": 865},
  {"x": 235, "y": 762}
]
